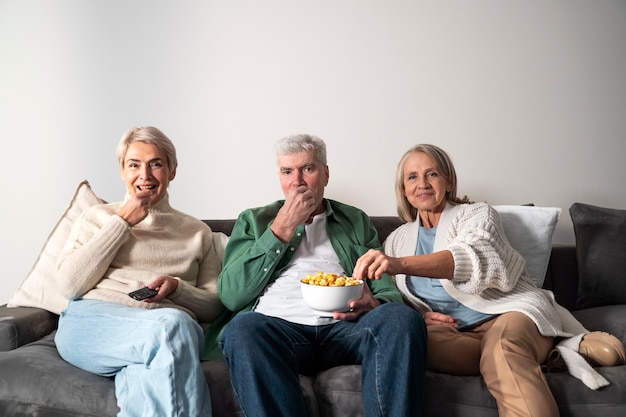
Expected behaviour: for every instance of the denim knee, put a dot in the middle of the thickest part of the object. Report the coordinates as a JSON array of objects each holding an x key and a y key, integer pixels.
[
  {"x": 400, "y": 319},
  {"x": 178, "y": 325},
  {"x": 242, "y": 330},
  {"x": 173, "y": 319}
]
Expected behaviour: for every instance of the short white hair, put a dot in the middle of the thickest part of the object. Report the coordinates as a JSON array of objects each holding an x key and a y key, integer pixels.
[{"x": 302, "y": 143}]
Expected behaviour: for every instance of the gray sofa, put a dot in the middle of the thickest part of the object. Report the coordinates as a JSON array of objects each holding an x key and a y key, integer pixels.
[{"x": 35, "y": 381}]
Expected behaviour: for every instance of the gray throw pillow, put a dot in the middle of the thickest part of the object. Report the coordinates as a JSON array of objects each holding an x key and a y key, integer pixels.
[{"x": 601, "y": 252}]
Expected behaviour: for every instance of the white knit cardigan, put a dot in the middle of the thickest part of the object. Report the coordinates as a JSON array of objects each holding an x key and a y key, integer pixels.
[{"x": 491, "y": 277}]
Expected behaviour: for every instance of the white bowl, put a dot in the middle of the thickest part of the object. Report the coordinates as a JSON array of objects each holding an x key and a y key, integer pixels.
[{"x": 326, "y": 300}]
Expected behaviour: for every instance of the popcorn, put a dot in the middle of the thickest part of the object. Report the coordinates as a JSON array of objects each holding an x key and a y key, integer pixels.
[{"x": 330, "y": 280}]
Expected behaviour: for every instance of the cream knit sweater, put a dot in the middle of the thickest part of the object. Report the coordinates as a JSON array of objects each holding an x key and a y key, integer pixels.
[
  {"x": 104, "y": 259},
  {"x": 491, "y": 277}
]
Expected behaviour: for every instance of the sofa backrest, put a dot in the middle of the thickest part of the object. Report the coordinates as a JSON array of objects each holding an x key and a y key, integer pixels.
[
  {"x": 384, "y": 225},
  {"x": 224, "y": 226},
  {"x": 561, "y": 276}
]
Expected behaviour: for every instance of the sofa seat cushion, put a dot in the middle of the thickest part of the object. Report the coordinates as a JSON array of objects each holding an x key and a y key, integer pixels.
[
  {"x": 223, "y": 399},
  {"x": 339, "y": 394},
  {"x": 574, "y": 399},
  {"x": 35, "y": 380}
]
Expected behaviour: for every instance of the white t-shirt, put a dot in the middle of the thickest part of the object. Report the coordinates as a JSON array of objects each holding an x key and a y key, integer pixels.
[{"x": 283, "y": 297}]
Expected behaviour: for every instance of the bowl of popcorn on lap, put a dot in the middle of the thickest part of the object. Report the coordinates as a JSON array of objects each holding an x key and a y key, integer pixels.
[{"x": 326, "y": 293}]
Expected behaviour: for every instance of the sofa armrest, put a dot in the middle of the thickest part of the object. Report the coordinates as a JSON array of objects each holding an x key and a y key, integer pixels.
[{"x": 22, "y": 325}]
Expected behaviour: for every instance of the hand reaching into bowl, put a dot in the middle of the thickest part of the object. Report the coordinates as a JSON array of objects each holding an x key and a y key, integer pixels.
[{"x": 373, "y": 264}]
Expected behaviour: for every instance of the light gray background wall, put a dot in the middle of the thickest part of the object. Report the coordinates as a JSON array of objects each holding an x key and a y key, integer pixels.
[{"x": 529, "y": 98}]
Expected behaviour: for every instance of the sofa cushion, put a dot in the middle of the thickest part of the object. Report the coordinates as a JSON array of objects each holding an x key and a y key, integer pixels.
[
  {"x": 223, "y": 400},
  {"x": 339, "y": 394},
  {"x": 385, "y": 225},
  {"x": 601, "y": 251},
  {"x": 529, "y": 230},
  {"x": 31, "y": 293},
  {"x": 562, "y": 275},
  {"x": 35, "y": 380}
]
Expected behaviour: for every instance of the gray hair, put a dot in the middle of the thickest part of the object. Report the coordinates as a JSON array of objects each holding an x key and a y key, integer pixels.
[
  {"x": 444, "y": 164},
  {"x": 302, "y": 143},
  {"x": 150, "y": 135}
]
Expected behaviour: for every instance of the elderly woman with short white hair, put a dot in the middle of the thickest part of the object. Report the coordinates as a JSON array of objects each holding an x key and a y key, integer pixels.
[{"x": 150, "y": 340}]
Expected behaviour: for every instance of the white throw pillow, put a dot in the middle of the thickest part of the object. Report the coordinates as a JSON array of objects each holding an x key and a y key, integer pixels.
[
  {"x": 529, "y": 230},
  {"x": 35, "y": 290},
  {"x": 220, "y": 240}
]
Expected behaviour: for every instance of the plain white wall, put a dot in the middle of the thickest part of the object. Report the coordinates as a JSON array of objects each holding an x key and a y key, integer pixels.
[{"x": 529, "y": 98}]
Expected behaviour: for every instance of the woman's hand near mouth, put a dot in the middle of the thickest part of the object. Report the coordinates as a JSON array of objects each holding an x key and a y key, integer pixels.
[{"x": 136, "y": 208}]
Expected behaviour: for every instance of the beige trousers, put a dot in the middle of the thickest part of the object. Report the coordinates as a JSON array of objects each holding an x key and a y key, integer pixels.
[{"x": 508, "y": 352}]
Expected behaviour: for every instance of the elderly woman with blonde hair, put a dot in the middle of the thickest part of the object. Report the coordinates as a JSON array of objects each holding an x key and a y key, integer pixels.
[{"x": 484, "y": 316}]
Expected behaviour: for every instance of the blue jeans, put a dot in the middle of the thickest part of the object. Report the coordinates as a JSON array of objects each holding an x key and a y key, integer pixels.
[
  {"x": 266, "y": 354},
  {"x": 153, "y": 354}
]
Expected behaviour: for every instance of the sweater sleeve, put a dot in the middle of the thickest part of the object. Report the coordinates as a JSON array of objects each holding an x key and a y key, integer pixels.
[
  {"x": 93, "y": 243},
  {"x": 483, "y": 257},
  {"x": 201, "y": 297}
]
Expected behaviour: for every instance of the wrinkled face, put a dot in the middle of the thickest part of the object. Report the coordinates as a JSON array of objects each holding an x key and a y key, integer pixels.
[
  {"x": 146, "y": 169},
  {"x": 302, "y": 168},
  {"x": 424, "y": 186}
]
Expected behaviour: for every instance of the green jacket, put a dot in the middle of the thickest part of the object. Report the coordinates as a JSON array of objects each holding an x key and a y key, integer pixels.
[{"x": 254, "y": 258}]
